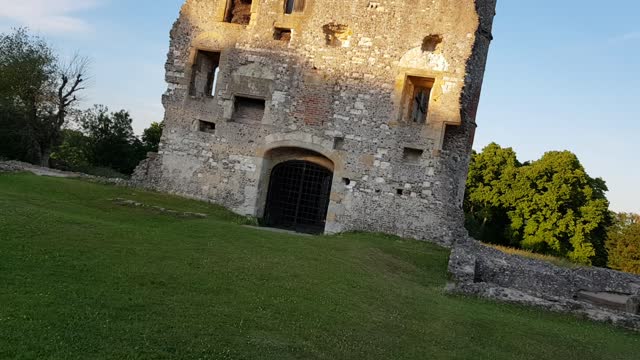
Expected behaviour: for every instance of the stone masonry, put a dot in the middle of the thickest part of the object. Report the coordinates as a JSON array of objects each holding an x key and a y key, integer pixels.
[
  {"x": 595, "y": 293},
  {"x": 382, "y": 94}
]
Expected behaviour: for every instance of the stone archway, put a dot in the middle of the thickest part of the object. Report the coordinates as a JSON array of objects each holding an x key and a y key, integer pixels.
[{"x": 299, "y": 190}]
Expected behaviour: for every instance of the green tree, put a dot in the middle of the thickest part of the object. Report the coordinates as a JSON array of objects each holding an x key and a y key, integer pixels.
[
  {"x": 112, "y": 142},
  {"x": 27, "y": 72},
  {"x": 550, "y": 206},
  {"x": 151, "y": 136},
  {"x": 623, "y": 243},
  {"x": 36, "y": 94},
  {"x": 73, "y": 153},
  {"x": 490, "y": 174},
  {"x": 558, "y": 209}
]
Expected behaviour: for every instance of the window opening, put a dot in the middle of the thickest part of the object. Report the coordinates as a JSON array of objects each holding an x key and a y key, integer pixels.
[
  {"x": 207, "y": 127},
  {"x": 283, "y": 35},
  {"x": 293, "y": 6},
  {"x": 238, "y": 12},
  {"x": 417, "y": 98},
  {"x": 411, "y": 155},
  {"x": 420, "y": 104},
  {"x": 204, "y": 78},
  {"x": 248, "y": 110}
]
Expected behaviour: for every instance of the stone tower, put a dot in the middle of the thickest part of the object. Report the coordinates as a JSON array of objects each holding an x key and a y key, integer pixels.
[{"x": 325, "y": 115}]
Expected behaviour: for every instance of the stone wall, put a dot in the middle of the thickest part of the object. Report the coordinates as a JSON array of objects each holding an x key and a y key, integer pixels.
[
  {"x": 335, "y": 85},
  {"x": 599, "y": 294}
]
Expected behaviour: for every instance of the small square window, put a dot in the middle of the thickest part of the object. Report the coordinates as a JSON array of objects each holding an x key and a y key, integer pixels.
[
  {"x": 338, "y": 143},
  {"x": 283, "y": 35},
  {"x": 412, "y": 156},
  {"x": 207, "y": 127},
  {"x": 248, "y": 110}
]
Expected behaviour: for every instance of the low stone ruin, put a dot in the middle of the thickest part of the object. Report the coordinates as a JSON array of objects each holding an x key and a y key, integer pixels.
[
  {"x": 596, "y": 293},
  {"x": 160, "y": 209}
]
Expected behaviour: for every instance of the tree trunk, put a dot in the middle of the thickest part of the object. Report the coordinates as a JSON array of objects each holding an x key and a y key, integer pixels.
[{"x": 45, "y": 156}]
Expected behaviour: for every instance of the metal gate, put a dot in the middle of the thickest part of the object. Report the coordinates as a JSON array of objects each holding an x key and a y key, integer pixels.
[{"x": 298, "y": 196}]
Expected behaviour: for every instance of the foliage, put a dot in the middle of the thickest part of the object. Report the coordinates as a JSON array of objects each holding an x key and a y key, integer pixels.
[
  {"x": 152, "y": 135},
  {"x": 112, "y": 142},
  {"x": 549, "y": 206},
  {"x": 36, "y": 94},
  {"x": 82, "y": 277},
  {"x": 73, "y": 153},
  {"x": 490, "y": 174},
  {"x": 105, "y": 146},
  {"x": 28, "y": 68},
  {"x": 623, "y": 243}
]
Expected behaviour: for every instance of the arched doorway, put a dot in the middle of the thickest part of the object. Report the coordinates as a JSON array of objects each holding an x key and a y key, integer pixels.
[{"x": 298, "y": 197}]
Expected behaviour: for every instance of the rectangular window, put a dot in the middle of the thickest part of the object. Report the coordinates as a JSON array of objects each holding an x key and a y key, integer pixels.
[
  {"x": 412, "y": 155},
  {"x": 207, "y": 127},
  {"x": 418, "y": 96},
  {"x": 204, "y": 77},
  {"x": 283, "y": 35},
  {"x": 248, "y": 110},
  {"x": 293, "y": 6},
  {"x": 238, "y": 12}
]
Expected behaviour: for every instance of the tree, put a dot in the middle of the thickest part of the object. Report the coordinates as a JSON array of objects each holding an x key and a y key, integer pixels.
[
  {"x": 151, "y": 136},
  {"x": 623, "y": 243},
  {"x": 36, "y": 94},
  {"x": 70, "y": 81},
  {"x": 73, "y": 153},
  {"x": 112, "y": 142},
  {"x": 490, "y": 173},
  {"x": 550, "y": 206},
  {"x": 27, "y": 74},
  {"x": 558, "y": 209}
]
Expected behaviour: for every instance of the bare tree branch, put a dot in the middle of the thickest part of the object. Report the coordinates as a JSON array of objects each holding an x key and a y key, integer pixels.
[{"x": 73, "y": 75}]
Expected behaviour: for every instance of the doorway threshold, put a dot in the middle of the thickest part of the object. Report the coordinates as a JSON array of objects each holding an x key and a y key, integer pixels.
[{"x": 276, "y": 230}]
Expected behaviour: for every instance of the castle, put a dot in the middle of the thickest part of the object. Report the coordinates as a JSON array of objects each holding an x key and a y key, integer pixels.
[{"x": 325, "y": 116}]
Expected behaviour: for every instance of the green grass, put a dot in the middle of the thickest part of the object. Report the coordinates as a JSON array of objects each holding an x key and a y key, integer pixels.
[
  {"x": 557, "y": 261},
  {"x": 84, "y": 278}
]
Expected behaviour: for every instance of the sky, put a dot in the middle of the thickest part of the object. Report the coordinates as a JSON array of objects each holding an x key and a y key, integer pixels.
[{"x": 561, "y": 75}]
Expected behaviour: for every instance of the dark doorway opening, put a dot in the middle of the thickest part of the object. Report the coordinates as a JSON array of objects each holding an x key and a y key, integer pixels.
[{"x": 298, "y": 197}]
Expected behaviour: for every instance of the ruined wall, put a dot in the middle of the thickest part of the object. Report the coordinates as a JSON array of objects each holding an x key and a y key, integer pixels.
[
  {"x": 334, "y": 80},
  {"x": 599, "y": 294}
]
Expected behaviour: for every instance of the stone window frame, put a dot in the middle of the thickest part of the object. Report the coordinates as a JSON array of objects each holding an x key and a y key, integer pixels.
[
  {"x": 204, "y": 126},
  {"x": 280, "y": 30},
  {"x": 412, "y": 84},
  {"x": 210, "y": 92},
  {"x": 233, "y": 108},
  {"x": 227, "y": 8},
  {"x": 412, "y": 155}
]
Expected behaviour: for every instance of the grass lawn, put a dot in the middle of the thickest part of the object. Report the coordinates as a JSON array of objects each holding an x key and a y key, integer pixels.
[{"x": 82, "y": 277}]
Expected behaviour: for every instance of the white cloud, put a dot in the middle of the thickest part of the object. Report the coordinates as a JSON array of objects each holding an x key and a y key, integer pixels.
[{"x": 49, "y": 16}]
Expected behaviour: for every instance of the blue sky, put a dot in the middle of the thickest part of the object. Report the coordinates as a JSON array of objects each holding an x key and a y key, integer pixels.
[{"x": 561, "y": 74}]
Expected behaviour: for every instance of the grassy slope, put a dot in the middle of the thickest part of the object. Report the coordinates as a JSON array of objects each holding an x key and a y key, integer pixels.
[{"x": 81, "y": 277}]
